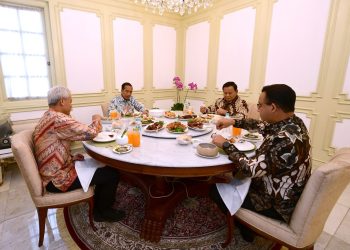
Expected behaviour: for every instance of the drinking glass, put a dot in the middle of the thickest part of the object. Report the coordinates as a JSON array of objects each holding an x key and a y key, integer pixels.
[{"x": 236, "y": 132}]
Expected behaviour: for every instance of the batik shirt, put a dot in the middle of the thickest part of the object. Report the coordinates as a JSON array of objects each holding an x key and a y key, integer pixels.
[
  {"x": 281, "y": 166},
  {"x": 234, "y": 107},
  {"x": 125, "y": 106},
  {"x": 52, "y": 140}
]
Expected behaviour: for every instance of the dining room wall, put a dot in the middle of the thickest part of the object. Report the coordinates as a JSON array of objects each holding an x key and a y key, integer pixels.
[{"x": 97, "y": 45}]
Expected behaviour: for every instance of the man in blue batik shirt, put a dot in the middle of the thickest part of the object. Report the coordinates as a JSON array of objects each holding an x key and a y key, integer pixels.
[{"x": 125, "y": 103}]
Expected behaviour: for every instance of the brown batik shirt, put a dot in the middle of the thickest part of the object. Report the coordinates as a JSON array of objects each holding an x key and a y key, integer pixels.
[
  {"x": 234, "y": 107},
  {"x": 280, "y": 167}
]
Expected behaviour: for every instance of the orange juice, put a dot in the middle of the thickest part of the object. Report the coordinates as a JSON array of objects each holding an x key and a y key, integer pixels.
[
  {"x": 131, "y": 137},
  {"x": 236, "y": 131},
  {"x": 113, "y": 114},
  {"x": 137, "y": 139}
]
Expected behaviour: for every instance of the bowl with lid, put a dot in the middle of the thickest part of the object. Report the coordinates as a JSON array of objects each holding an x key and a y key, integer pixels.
[{"x": 207, "y": 149}]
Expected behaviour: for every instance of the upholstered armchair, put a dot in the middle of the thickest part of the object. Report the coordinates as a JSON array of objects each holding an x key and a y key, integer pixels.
[
  {"x": 23, "y": 150},
  {"x": 321, "y": 193}
]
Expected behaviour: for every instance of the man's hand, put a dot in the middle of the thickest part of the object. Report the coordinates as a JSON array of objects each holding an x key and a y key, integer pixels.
[
  {"x": 145, "y": 112},
  {"x": 78, "y": 157},
  {"x": 99, "y": 124},
  {"x": 218, "y": 140},
  {"x": 221, "y": 111},
  {"x": 203, "y": 109},
  {"x": 224, "y": 123}
]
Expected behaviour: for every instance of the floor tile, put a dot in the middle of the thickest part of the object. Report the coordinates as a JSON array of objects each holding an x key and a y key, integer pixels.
[
  {"x": 16, "y": 179},
  {"x": 3, "y": 203},
  {"x": 19, "y": 202},
  {"x": 322, "y": 241},
  {"x": 5, "y": 186},
  {"x": 343, "y": 231},
  {"x": 338, "y": 244},
  {"x": 344, "y": 199},
  {"x": 335, "y": 218}
]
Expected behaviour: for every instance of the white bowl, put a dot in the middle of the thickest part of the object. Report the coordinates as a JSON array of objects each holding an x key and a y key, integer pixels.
[
  {"x": 184, "y": 139},
  {"x": 207, "y": 149},
  {"x": 156, "y": 112},
  {"x": 122, "y": 140}
]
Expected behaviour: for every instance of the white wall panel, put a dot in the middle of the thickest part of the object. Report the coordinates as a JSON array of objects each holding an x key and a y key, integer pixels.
[
  {"x": 164, "y": 56},
  {"x": 196, "y": 62},
  {"x": 81, "y": 37},
  {"x": 128, "y": 53},
  {"x": 305, "y": 119},
  {"x": 346, "y": 86},
  {"x": 84, "y": 114},
  {"x": 235, "y": 48},
  {"x": 341, "y": 136},
  {"x": 163, "y": 104},
  {"x": 296, "y": 43}
]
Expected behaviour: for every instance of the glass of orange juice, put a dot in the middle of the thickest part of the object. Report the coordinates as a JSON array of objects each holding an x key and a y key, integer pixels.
[
  {"x": 113, "y": 114},
  {"x": 131, "y": 137},
  {"x": 137, "y": 139},
  {"x": 236, "y": 131}
]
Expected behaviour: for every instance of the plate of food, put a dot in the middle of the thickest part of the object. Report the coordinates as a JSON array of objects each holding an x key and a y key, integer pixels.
[
  {"x": 155, "y": 127},
  {"x": 105, "y": 137},
  {"x": 208, "y": 116},
  {"x": 169, "y": 115},
  {"x": 176, "y": 128},
  {"x": 147, "y": 120},
  {"x": 252, "y": 137},
  {"x": 196, "y": 124},
  {"x": 187, "y": 117},
  {"x": 122, "y": 149}
]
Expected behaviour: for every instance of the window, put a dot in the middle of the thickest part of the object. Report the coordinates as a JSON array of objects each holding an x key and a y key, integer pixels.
[{"x": 24, "y": 60}]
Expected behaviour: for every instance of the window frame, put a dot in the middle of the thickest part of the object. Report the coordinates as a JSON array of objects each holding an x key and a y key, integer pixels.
[{"x": 49, "y": 48}]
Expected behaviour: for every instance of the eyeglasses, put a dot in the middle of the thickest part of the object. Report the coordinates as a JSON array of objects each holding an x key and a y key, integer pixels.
[{"x": 259, "y": 105}]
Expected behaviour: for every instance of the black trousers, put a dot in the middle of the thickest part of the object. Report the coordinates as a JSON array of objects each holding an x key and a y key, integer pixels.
[
  {"x": 215, "y": 196},
  {"x": 106, "y": 182}
]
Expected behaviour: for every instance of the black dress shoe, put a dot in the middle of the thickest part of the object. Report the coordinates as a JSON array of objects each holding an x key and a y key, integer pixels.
[
  {"x": 109, "y": 215},
  {"x": 247, "y": 234}
]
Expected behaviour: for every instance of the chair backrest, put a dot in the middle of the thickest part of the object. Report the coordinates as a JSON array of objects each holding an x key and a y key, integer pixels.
[
  {"x": 253, "y": 111},
  {"x": 23, "y": 151},
  {"x": 320, "y": 195},
  {"x": 104, "y": 107}
]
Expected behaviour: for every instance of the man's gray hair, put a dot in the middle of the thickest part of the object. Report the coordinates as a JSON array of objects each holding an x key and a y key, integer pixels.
[{"x": 57, "y": 93}]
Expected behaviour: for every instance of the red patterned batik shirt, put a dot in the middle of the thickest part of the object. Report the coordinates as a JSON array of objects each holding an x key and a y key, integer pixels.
[{"x": 52, "y": 140}]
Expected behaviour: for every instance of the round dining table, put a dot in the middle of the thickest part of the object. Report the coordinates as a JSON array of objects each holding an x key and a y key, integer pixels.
[{"x": 165, "y": 171}]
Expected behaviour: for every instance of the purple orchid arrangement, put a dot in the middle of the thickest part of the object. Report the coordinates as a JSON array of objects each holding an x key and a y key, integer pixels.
[{"x": 180, "y": 87}]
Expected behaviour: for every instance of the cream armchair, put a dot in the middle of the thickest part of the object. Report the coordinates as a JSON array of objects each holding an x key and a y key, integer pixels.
[
  {"x": 23, "y": 150},
  {"x": 313, "y": 208}
]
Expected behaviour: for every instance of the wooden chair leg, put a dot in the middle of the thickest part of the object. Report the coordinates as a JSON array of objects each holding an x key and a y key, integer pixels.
[
  {"x": 91, "y": 209},
  {"x": 42, "y": 214},
  {"x": 229, "y": 220}
]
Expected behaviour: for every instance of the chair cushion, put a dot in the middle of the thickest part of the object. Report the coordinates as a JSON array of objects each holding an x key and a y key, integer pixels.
[
  {"x": 274, "y": 228},
  {"x": 57, "y": 199}
]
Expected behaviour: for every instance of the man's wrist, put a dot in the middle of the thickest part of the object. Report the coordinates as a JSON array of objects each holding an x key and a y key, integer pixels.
[{"x": 226, "y": 145}]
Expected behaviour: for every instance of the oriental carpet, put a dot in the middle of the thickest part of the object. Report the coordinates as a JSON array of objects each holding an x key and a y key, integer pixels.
[{"x": 195, "y": 224}]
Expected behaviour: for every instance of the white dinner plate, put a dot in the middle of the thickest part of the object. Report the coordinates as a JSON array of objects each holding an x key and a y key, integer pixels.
[
  {"x": 256, "y": 137},
  {"x": 208, "y": 157},
  {"x": 177, "y": 132},
  {"x": 105, "y": 137},
  {"x": 244, "y": 146},
  {"x": 198, "y": 129},
  {"x": 127, "y": 146}
]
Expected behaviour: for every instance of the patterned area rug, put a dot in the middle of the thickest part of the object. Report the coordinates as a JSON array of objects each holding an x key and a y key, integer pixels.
[{"x": 195, "y": 224}]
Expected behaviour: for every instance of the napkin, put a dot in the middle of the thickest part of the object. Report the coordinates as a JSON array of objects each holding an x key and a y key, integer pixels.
[
  {"x": 234, "y": 193},
  {"x": 86, "y": 170}
]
